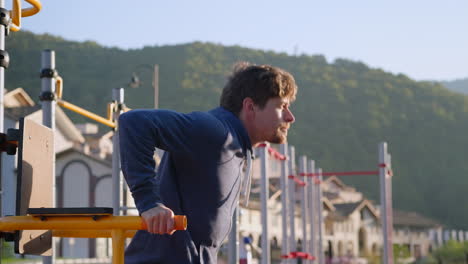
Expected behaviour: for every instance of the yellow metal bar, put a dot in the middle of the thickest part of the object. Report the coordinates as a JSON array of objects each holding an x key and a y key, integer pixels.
[
  {"x": 117, "y": 227},
  {"x": 85, "y": 113},
  {"x": 36, "y": 7},
  {"x": 118, "y": 246},
  {"x": 11, "y": 223},
  {"x": 110, "y": 110},
  {"x": 89, "y": 233},
  {"x": 17, "y": 12},
  {"x": 58, "y": 86},
  {"x": 108, "y": 222}
]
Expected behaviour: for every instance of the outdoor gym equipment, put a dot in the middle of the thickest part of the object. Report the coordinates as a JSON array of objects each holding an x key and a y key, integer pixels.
[
  {"x": 9, "y": 20},
  {"x": 289, "y": 249},
  {"x": 52, "y": 89},
  {"x": 312, "y": 204},
  {"x": 385, "y": 174},
  {"x": 306, "y": 253},
  {"x": 35, "y": 222},
  {"x": 17, "y": 12}
]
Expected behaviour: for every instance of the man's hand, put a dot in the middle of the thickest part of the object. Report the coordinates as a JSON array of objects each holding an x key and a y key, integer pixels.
[{"x": 159, "y": 220}]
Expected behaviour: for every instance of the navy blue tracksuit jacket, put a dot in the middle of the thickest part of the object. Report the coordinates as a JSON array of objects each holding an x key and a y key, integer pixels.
[{"x": 199, "y": 176}]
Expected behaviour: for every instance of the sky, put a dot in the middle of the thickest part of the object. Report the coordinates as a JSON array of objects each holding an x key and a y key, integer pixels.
[{"x": 426, "y": 40}]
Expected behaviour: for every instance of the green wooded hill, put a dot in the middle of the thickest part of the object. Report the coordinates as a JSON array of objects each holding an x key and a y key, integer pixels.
[
  {"x": 343, "y": 110},
  {"x": 459, "y": 85}
]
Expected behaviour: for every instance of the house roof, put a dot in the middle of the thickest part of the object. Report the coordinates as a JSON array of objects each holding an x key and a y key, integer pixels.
[
  {"x": 346, "y": 209},
  {"x": 328, "y": 205},
  {"x": 17, "y": 98},
  {"x": 330, "y": 195},
  {"x": 62, "y": 121},
  {"x": 412, "y": 219},
  {"x": 339, "y": 183},
  {"x": 19, "y": 104},
  {"x": 16, "y": 113}
]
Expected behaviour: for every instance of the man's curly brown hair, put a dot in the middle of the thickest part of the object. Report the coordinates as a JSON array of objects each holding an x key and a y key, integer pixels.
[{"x": 259, "y": 82}]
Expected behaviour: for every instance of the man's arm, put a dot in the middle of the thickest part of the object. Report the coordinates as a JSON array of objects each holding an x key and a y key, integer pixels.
[{"x": 141, "y": 131}]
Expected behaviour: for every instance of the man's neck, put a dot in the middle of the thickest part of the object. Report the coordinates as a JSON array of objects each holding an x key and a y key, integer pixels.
[{"x": 248, "y": 127}]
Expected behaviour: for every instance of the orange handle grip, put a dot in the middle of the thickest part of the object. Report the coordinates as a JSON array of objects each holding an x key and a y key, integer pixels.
[{"x": 180, "y": 223}]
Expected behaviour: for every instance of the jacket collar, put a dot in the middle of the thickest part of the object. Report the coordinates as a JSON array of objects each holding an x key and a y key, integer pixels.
[{"x": 236, "y": 124}]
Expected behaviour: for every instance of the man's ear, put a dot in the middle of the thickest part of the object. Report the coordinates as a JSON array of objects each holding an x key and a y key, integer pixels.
[{"x": 248, "y": 106}]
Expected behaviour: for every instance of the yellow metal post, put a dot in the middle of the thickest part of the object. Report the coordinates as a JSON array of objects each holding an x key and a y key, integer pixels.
[{"x": 118, "y": 247}]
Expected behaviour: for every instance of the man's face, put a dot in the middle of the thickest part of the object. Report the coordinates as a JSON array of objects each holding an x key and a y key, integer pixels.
[{"x": 273, "y": 121}]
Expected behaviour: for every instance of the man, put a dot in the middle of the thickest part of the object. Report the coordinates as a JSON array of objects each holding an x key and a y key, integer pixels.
[
  {"x": 245, "y": 252},
  {"x": 201, "y": 173}
]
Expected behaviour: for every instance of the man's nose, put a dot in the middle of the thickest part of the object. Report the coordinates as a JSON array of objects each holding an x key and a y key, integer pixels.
[{"x": 289, "y": 117}]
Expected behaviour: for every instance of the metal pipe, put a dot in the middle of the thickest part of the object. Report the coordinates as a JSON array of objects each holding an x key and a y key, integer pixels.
[
  {"x": 386, "y": 203},
  {"x": 284, "y": 203},
  {"x": 105, "y": 222},
  {"x": 85, "y": 113},
  {"x": 36, "y": 7},
  {"x": 117, "y": 179},
  {"x": 48, "y": 120},
  {"x": 48, "y": 86},
  {"x": 156, "y": 86},
  {"x": 17, "y": 12},
  {"x": 321, "y": 254},
  {"x": 312, "y": 211},
  {"x": 346, "y": 173},
  {"x": 81, "y": 226},
  {"x": 292, "y": 201},
  {"x": 303, "y": 201},
  {"x": 264, "y": 195},
  {"x": 89, "y": 233},
  {"x": 2, "y": 72},
  {"x": 118, "y": 245},
  {"x": 4, "y": 183}
]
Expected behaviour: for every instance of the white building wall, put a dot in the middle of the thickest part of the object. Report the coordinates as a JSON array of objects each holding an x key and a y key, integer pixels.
[
  {"x": 102, "y": 199},
  {"x": 77, "y": 170},
  {"x": 76, "y": 180},
  {"x": 76, "y": 194},
  {"x": 99, "y": 169},
  {"x": 103, "y": 192}
]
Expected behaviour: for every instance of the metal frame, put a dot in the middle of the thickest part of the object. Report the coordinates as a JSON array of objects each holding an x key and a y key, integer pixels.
[{"x": 116, "y": 227}]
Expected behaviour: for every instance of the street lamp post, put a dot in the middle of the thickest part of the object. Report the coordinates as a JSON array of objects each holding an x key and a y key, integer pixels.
[{"x": 135, "y": 81}]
